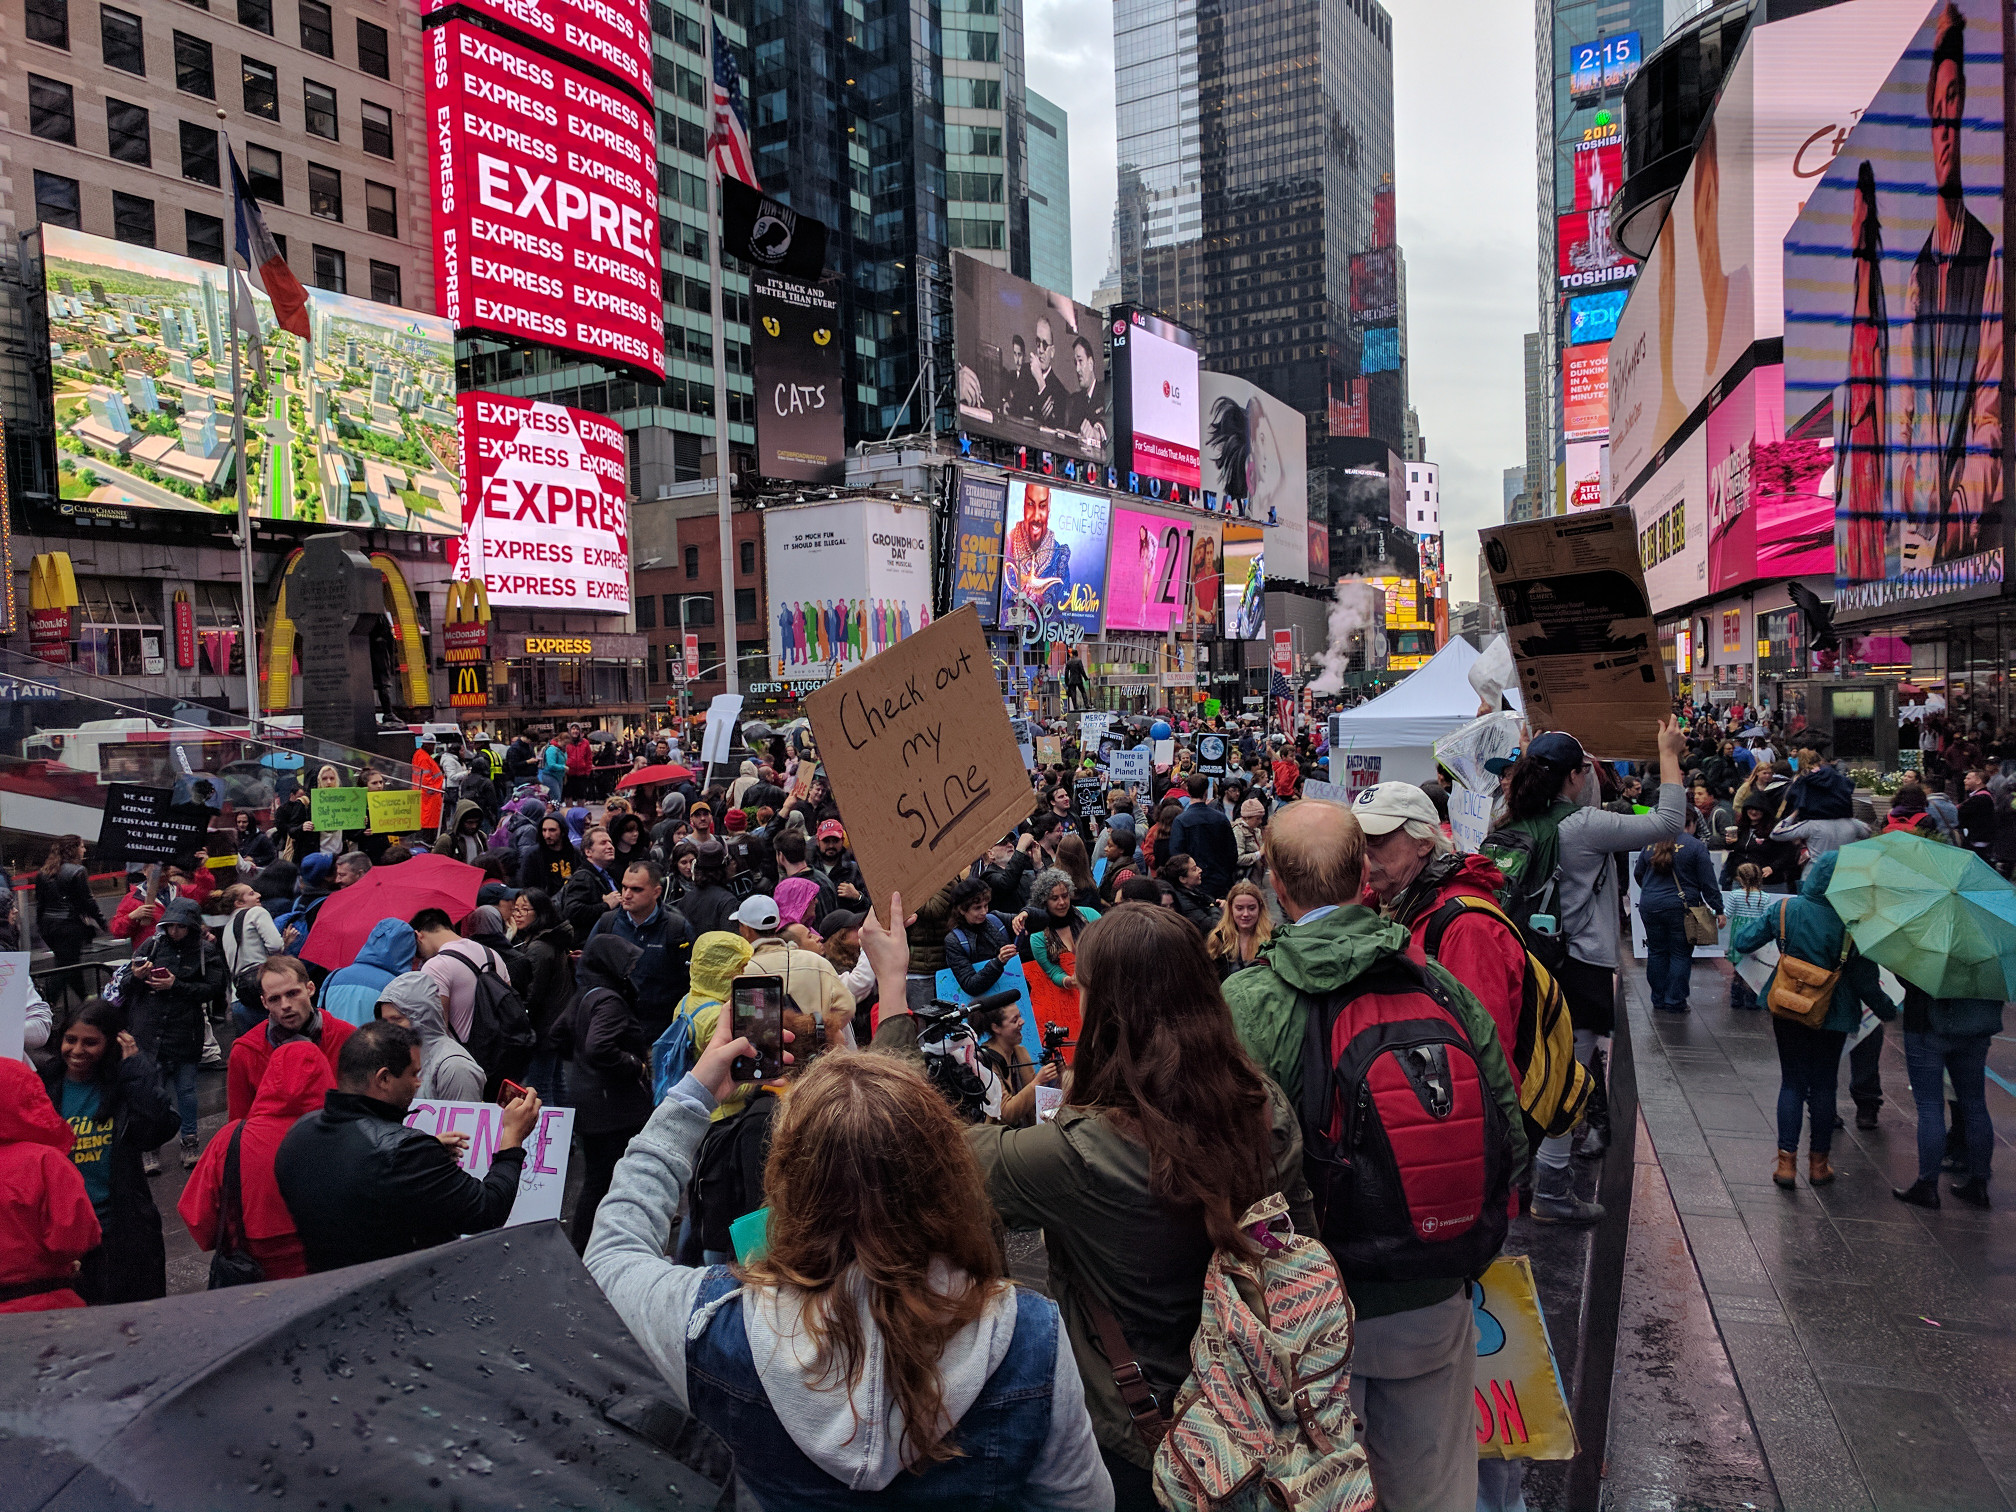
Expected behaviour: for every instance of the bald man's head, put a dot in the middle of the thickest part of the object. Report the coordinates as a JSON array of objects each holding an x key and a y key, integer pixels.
[{"x": 1316, "y": 855}]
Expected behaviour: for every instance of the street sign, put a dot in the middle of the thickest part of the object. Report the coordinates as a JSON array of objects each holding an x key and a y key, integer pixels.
[
  {"x": 1284, "y": 651},
  {"x": 692, "y": 657}
]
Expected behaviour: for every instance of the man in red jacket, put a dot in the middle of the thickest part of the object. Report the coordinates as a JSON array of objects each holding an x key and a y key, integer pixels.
[
  {"x": 1412, "y": 870},
  {"x": 46, "y": 1221},
  {"x": 288, "y": 992}
]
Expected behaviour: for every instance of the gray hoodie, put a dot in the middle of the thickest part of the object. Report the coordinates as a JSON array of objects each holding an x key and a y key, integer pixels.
[
  {"x": 1589, "y": 838},
  {"x": 448, "y": 1073},
  {"x": 854, "y": 1437},
  {"x": 1820, "y": 836}
]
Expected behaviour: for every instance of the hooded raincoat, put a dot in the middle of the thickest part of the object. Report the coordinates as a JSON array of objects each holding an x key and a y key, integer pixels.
[
  {"x": 351, "y": 993},
  {"x": 296, "y": 1079},
  {"x": 1808, "y": 927},
  {"x": 448, "y": 1072},
  {"x": 46, "y": 1220},
  {"x": 606, "y": 1040}
]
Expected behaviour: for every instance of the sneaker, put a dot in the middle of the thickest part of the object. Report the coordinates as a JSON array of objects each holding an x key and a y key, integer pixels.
[
  {"x": 189, "y": 1152},
  {"x": 1569, "y": 1209},
  {"x": 150, "y": 1164}
]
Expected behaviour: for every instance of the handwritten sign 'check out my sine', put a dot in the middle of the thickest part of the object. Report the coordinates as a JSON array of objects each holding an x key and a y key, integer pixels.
[{"x": 921, "y": 758}]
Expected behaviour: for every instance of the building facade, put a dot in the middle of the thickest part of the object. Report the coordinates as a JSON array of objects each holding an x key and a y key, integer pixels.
[
  {"x": 1424, "y": 498},
  {"x": 1158, "y": 217},
  {"x": 1049, "y": 194}
]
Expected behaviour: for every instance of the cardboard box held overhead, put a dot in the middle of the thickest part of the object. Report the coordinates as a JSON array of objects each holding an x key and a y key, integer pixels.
[{"x": 1581, "y": 628}]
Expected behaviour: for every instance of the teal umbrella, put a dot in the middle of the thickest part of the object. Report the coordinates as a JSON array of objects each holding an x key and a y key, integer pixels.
[{"x": 1938, "y": 916}]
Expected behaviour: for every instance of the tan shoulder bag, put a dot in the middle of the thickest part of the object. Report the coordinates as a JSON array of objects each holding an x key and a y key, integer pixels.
[{"x": 1800, "y": 990}]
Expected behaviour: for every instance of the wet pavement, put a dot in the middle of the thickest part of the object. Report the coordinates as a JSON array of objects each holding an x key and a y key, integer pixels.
[{"x": 1873, "y": 1344}]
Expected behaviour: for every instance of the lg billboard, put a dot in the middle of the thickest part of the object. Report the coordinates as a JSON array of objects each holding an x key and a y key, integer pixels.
[
  {"x": 1155, "y": 397},
  {"x": 546, "y": 201}
]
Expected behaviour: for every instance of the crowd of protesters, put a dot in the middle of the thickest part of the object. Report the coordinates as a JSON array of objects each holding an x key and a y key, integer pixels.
[{"x": 1195, "y": 954}]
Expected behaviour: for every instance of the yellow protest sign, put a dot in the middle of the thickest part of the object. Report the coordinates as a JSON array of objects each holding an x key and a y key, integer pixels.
[
  {"x": 337, "y": 808},
  {"x": 1522, "y": 1412},
  {"x": 395, "y": 813}
]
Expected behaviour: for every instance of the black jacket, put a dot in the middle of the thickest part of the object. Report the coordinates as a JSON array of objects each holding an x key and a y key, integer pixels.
[
  {"x": 846, "y": 869},
  {"x": 707, "y": 906},
  {"x": 130, "y": 1263},
  {"x": 552, "y": 978},
  {"x": 580, "y": 901},
  {"x": 169, "y": 1025},
  {"x": 362, "y": 1186},
  {"x": 1195, "y": 905},
  {"x": 1009, "y": 882},
  {"x": 728, "y": 1169},
  {"x": 66, "y": 899},
  {"x": 1203, "y": 833},
  {"x": 1977, "y": 821},
  {"x": 970, "y": 953},
  {"x": 602, "y": 1034}
]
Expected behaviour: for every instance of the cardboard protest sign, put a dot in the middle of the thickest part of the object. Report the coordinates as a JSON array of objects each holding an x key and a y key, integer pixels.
[
  {"x": 542, "y": 1182},
  {"x": 14, "y": 989},
  {"x": 1581, "y": 628},
  {"x": 1522, "y": 1412},
  {"x": 393, "y": 813},
  {"x": 1049, "y": 750},
  {"x": 922, "y": 758},
  {"x": 338, "y": 808},
  {"x": 145, "y": 824}
]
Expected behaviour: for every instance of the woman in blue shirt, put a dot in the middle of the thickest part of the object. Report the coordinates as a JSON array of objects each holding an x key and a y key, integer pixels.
[{"x": 1674, "y": 876}]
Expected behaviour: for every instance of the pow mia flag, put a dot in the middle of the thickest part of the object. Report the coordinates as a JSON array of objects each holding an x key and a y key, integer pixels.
[{"x": 770, "y": 236}]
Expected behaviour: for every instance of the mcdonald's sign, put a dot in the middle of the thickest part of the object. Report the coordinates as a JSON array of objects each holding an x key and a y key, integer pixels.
[
  {"x": 466, "y": 632},
  {"x": 469, "y": 685},
  {"x": 52, "y": 607}
]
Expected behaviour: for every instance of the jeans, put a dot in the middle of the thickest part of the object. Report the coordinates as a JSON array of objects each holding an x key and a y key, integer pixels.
[
  {"x": 1964, "y": 1058},
  {"x": 66, "y": 940},
  {"x": 181, "y": 1081},
  {"x": 1865, "y": 1066},
  {"x": 1809, "y": 1069},
  {"x": 547, "y": 1074},
  {"x": 551, "y": 782},
  {"x": 1669, "y": 959}
]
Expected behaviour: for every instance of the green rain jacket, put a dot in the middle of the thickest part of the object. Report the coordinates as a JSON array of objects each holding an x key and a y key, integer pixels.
[{"x": 1322, "y": 956}]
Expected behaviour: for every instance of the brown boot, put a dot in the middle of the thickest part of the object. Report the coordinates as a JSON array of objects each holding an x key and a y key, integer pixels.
[
  {"x": 1787, "y": 1173},
  {"x": 1819, "y": 1169}
]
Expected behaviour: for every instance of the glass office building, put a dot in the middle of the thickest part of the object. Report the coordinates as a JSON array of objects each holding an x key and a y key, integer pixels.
[
  {"x": 1049, "y": 194},
  {"x": 1158, "y": 218}
]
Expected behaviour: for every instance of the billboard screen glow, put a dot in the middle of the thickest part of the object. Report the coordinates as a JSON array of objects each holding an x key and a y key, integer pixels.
[
  {"x": 546, "y": 519},
  {"x": 1053, "y": 569},
  {"x": 1032, "y": 364},
  {"x": 546, "y": 201},
  {"x": 1155, "y": 427},
  {"x": 1255, "y": 459},
  {"x": 1159, "y": 563},
  {"x": 1585, "y": 255},
  {"x": 1593, "y": 317},
  {"x": 1586, "y": 398},
  {"x": 1245, "y": 579}
]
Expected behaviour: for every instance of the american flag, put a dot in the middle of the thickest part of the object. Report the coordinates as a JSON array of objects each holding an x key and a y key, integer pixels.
[
  {"x": 728, "y": 136},
  {"x": 1284, "y": 700}
]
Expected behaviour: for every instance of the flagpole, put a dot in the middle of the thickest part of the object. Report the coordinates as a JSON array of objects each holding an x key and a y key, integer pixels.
[
  {"x": 725, "y": 619},
  {"x": 250, "y": 618}
]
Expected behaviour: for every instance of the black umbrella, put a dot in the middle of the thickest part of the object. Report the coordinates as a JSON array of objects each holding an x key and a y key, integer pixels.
[{"x": 490, "y": 1372}]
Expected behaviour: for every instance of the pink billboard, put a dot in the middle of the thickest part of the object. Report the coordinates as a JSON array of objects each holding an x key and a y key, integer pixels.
[
  {"x": 1153, "y": 560},
  {"x": 1767, "y": 518}
]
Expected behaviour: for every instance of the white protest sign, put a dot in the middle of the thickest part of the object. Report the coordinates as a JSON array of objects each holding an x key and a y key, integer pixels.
[
  {"x": 1129, "y": 766},
  {"x": 15, "y": 988},
  {"x": 1165, "y": 752},
  {"x": 1470, "y": 818},
  {"x": 541, "y": 1183},
  {"x": 1092, "y": 729},
  {"x": 719, "y": 741},
  {"x": 1327, "y": 792}
]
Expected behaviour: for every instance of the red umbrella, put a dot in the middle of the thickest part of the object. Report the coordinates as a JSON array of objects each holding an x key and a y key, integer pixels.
[
  {"x": 669, "y": 772},
  {"x": 389, "y": 892}
]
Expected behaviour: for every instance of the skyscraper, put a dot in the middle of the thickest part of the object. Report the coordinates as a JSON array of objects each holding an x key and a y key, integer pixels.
[
  {"x": 1049, "y": 194},
  {"x": 1158, "y": 218},
  {"x": 1539, "y": 453}
]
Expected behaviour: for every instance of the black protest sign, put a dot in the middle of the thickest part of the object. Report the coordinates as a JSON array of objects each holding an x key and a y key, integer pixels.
[
  {"x": 1211, "y": 750},
  {"x": 770, "y": 236},
  {"x": 1089, "y": 797},
  {"x": 142, "y": 824},
  {"x": 795, "y": 338}
]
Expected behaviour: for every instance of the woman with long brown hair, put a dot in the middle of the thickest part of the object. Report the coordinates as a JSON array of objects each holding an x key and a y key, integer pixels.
[
  {"x": 66, "y": 915},
  {"x": 875, "y": 1345},
  {"x": 1168, "y": 1133}
]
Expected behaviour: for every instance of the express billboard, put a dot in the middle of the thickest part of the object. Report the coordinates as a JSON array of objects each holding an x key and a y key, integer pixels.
[
  {"x": 1893, "y": 279},
  {"x": 1032, "y": 364},
  {"x": 546, "y": 201},
  {"x": 1155, "y": 397},
  {"x": 363, "y": 432},
  {"x": 614, "y": 35},
  {"x": 1255, "y": 459},
  {"x": 847, "y": 580},
  {"x": 1160, "y": 563},
  {"x": 794, "y": 336},
  {"x": 545, "y": 520}
]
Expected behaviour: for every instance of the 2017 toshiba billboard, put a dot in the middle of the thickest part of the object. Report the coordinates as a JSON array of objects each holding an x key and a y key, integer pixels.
[
  {"x": 543, "y": 513},
  {"x": 613, "y": 34},
  {"x": 546, "y": 208}
]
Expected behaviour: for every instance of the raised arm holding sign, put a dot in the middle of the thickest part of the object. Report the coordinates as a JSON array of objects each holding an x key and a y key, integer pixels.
[{"x": 921, "y": 757}]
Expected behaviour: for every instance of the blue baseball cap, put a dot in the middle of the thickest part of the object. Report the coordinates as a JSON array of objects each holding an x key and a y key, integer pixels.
[
  {"x": 1498, "y": 766},
  {"x": 1558, "y": 749}
]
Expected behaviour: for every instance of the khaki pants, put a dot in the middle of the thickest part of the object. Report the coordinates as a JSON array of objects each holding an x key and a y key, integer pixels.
[{"x": 1413, "y": 1375}]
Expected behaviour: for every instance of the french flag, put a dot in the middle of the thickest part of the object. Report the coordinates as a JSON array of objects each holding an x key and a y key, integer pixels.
[{"x": 262, "y": 255}]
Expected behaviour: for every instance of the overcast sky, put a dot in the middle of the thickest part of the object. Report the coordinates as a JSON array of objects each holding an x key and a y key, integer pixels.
[{"x": 1464, "y": 179}]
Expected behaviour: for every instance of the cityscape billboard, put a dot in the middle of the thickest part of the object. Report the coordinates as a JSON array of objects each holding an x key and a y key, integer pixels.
[
  {"x": 1893, "y": 294},
  {"x": 1255, "y": 459},
  {"x": 546, "y": 202},
  {"x": 1160, "y": 562},
  {"x": 794, "y": 330},
  {"x": 1155, "y": 397},
  {"x": 1607, "y": 64},
  {"x": 983, "y": 506},
  {"x": 847, "y": 580},
  {"x": 545, "y": 519},
  {"x": 1032, "y": 364},
  {"x": 614, "y": 35},
  {"x": 1053, "y": 569},
  {"x": 355, "y": 427},
  {"x": 1586, "y": 391}
]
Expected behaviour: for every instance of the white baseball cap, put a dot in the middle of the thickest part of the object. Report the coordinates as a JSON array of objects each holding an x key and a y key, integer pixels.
[
  {"x": 758, "y": 912},
  {"x": 1384, "y": 807}
]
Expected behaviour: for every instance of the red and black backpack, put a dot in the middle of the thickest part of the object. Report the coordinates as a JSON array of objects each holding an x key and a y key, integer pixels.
[{"x": 1408, "y": 1154}]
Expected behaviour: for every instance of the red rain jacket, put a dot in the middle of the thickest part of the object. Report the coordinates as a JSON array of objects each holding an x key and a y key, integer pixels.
[{"x": 46, "y": 1221}]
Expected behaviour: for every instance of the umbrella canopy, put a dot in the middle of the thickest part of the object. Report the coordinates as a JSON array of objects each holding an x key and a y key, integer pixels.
[
  {"x": 600, "y": 737},
  {"x": 490, "y": 1372},
  {"x": 669, "y": 771},
  {"x": 1938, "y": 916},
  {"x": 389, "y": 892}
]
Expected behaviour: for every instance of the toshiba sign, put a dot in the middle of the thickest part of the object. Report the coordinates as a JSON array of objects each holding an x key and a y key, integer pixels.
[
  {"x": 544, "y": 514},
  {"x": 546, "y": 201},
  {"x": 612, "y": 34}
]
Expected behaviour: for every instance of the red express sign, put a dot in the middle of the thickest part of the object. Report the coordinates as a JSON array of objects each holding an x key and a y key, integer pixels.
[
  {"x": 544, "y": 512},
  {"x": 612, "y": 34},
  {"x": 546, "y": 212}
]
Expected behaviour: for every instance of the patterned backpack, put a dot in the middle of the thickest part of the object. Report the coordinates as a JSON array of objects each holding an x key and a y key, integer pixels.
[{"x": 1265, "y": 1418}]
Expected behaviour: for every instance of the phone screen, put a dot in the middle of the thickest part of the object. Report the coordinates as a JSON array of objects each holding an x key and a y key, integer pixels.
[{"x": 757, "y": 1008}]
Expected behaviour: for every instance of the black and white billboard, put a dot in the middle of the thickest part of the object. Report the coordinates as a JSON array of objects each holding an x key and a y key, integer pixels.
[
  {"x": 795, "y": 333},
  {"x": 1032, "y": 368}
]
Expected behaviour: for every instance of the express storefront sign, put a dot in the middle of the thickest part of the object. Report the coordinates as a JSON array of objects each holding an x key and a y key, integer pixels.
[
  {"x": 592, "y": 647},
  {"x": 546, "y": 201}
]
